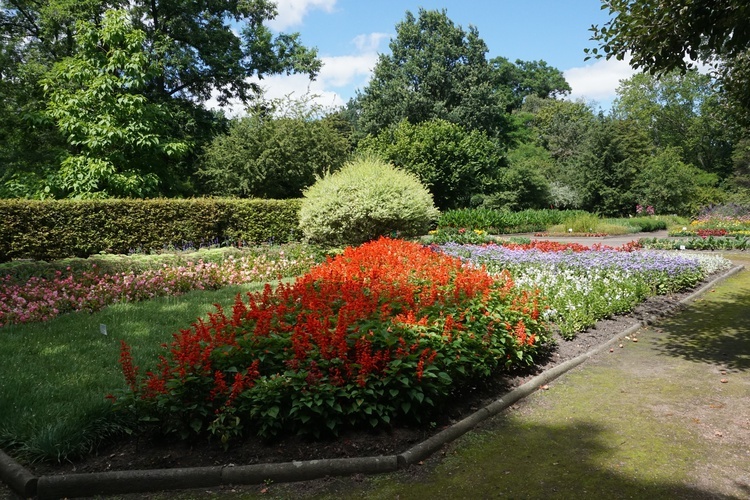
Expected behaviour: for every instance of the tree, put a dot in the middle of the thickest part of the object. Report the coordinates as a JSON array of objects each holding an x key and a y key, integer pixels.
[
  {"x": 196, "y": 49},
  {"x": 527, "y": 78},
  {"x": 436, "y": 70},
  {"x": 95, "y": 98},
  {"x": 270, "y": 155},
  {"x": 560, "y": 127},
  {"x": 661, "y": 36},
  {"x": 672, "y": 186},
  {"x": 452, "y": 162},
  {"x": 606, "y": 168},
  {"x": 679, "y": 110},
  {"x": 523, "y": 184}
]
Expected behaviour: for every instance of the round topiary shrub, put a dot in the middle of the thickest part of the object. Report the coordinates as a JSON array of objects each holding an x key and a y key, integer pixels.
[{"x": 366, "y": 199}]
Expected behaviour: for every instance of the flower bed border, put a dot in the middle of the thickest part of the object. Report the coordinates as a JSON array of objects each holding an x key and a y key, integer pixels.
[{"x": 22, "y": 482}]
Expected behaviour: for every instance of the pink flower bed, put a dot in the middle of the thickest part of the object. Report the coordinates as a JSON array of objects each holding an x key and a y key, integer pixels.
[{"x": 41, "y": 299}]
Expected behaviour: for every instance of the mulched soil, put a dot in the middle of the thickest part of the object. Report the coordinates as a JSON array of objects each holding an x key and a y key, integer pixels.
[{"x": 153, "y": 453}]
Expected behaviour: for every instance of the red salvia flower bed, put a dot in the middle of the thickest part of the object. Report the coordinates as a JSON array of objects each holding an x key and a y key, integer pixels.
[{"x": 385, "y": 331}]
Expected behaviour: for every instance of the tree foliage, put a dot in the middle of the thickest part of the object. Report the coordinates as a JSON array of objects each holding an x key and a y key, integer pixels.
[
  {"x": 436, "y": 70},
  {"x": 96, "y": 99},
  {"x": 672, "y": 186},
  {"x": 527, "y": 78},
  {"x": 186, "y": 52},
  {"x": 663, "y": 36},
  {"x": 452, "y": 162},
  {"x": 679, "y": 110},
  {"x": 273, "y": 154},
  {"x": 659, "y": 36}
]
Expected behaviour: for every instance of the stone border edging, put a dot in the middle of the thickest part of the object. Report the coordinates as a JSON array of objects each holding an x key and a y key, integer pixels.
[{"x": 27, "y": 485}]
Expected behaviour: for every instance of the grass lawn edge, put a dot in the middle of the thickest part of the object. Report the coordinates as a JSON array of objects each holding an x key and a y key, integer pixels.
[{"x": 22, "y": 482}]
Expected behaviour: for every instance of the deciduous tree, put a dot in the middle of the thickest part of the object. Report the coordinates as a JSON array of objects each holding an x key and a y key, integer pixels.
[{"x": 436, "y": 70}]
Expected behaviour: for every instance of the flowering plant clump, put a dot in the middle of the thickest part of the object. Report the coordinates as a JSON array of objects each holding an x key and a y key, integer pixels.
[
  {"x": 585, "y": 285},
  {"x": 734, "y": 219},
  {"x": 385, "y": 331},
  {"x": 40, "y": 299},
  {"x": 459, "y": 235}
]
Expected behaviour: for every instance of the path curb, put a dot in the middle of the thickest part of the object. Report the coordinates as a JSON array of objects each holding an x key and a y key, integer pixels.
[{"x": 26, "y": 485}]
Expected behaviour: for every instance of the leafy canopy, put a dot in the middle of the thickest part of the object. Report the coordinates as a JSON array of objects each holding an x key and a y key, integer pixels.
[
  {"x": 166, "y": 60},
  {"x": 436, "y": 70},
  {"x": 452, "y": 162},
  {"x": 96, "y": 99},
  {"x": 275, "y": 152},
  {"x": 659, "y": 36}
]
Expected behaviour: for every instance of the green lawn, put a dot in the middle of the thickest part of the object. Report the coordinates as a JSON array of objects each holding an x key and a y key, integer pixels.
[{"x": 54, "y": 376}]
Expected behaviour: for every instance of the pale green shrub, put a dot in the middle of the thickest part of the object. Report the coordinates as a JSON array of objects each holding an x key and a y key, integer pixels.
[{"x": 366, "y": 199}]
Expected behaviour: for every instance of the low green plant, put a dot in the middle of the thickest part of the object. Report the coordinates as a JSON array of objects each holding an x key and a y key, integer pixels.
[
  {"x": 739, "y": 242},
  {"x": 460, "y": 236},
  {"x": 366, "y": 199}
]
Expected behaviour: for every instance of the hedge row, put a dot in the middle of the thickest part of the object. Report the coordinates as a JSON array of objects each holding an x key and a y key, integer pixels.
[{"x": 54, "y": 229}]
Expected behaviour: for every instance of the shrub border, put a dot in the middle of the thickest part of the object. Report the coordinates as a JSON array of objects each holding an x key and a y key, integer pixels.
[{"x": 27, "y": 485}]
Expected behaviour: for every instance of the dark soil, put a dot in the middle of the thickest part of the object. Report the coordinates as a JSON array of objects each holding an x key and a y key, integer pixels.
[{"x": 145, "y": 453}]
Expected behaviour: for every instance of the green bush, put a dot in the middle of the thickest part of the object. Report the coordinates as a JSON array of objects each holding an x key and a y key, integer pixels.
[
  {"x": 56, "y": 229},
  {"x": 366, "y": 199},
  {"x": 269, "y": 156},
  {"x": 647, "y": 224},
  {"x": 452, "y": 162},
  {"x": 738, "y": 242},
  {"x": 504, "y": 222}
]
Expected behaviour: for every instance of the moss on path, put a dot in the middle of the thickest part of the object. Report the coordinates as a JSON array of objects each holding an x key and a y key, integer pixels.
[{"x": 665, "y": 416}]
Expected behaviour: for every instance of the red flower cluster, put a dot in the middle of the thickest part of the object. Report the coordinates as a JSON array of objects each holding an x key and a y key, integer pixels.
[
  {"x": 547, "y": 246},
  {"x": 386, "y": 310},
  {"x": 555, "y": 246},
  {"x": 704, "y": 233}
]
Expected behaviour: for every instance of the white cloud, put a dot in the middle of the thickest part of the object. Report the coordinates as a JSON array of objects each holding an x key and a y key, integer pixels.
[
  {"x": 339, "y": 75},
  {"x": 598, "y": 81},
  {"x": 353, "y": 70},
  {"x": 291, "y": 12},
  {"x": 281, "y": 86},
  {"x": 369, "y": 42}
]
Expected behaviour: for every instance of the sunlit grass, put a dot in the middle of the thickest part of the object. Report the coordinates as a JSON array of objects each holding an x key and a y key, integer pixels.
[{"x": 54, "y": 376}]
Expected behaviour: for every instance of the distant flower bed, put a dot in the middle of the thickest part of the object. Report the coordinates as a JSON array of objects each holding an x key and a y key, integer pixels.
[
  {"x": 718, "y": 221},
  {"x": 40, "y": 299},
  {"x": 583, "y": 284}
]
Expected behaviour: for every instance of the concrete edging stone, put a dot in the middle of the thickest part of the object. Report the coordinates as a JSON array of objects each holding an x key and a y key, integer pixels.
[{"x": 27, "y": 485}]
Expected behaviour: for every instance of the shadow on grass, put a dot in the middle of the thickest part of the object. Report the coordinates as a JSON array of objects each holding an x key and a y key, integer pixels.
[
  {"x": 712, "y": 330},
  {"x": 516, "y": 459}
]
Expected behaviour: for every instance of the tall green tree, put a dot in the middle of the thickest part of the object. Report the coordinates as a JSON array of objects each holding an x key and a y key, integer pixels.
[
  {"x": 274, "y": 153},
  {"x": 682, "y": 111},
  {"x": 527, "y": 78},
  {"x": 672, "y": 186},
  {"x": 661, "y": 36},
  {"x": 606, "y": 167},
  {"x": 436, "y": 70},
  {"x": 452, "y": 162},
  {"x": 197, "y": 49},
  {"x": 96, "y": 99}
]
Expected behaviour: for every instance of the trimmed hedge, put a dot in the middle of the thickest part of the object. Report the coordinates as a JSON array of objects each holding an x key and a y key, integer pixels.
[{"x": 54, "y": 229}]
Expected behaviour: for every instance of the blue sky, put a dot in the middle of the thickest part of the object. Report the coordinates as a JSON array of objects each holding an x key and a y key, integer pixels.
[{"x": 349, "y": 35}]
